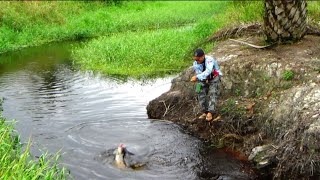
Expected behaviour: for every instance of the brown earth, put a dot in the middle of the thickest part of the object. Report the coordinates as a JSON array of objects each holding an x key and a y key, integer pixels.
[{"x": 269, "y": 109}]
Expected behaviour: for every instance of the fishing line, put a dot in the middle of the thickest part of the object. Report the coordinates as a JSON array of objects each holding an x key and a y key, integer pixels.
[{"x": 184, "y": 84}]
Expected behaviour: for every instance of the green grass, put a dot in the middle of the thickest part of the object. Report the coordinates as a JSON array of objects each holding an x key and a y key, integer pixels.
[
  {"x": 132, "y": 39},
  {"x": 137, "y": 54},
  {"x": 145, "y": 51},
  {"x": 32, "y": 23},
  {"x": 288, "y": 75},
  {"x": 16, "y": 161},
  {"x": 314, "y": 12}
]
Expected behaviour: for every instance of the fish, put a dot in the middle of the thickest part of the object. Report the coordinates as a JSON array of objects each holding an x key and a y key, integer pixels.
[
  {"x": 119, "y": 156},
  {"x": 126, "y": 159}
]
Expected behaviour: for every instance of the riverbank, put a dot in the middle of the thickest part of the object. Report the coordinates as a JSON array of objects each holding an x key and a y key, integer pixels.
[
  {"x": 131, "y": 39},
  {"x": 17, "y": 162},
  {"x": 34, "y": 23},
  {"x": 147, "y": 36},
  {"x": 269, "y": 108},
  {"x": 157, "y": 51}
]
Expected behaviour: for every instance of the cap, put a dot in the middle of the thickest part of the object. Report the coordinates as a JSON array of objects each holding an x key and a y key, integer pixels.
[{"x": 198, "y": 53}]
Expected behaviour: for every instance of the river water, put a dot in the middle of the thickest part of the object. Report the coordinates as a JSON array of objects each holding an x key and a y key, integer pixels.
[{"x": 86, "y": 116}]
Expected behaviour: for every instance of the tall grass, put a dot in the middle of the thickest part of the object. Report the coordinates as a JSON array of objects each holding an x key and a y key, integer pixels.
[
  {"x": 30, "y": 23},
  {"x": 138, "y": 54},
  {"x": 155, "y": 52},
  {"x": 139, "y": 38},
  {"x": 314, "y": 12},
  {"x": 16, "y": 161}
]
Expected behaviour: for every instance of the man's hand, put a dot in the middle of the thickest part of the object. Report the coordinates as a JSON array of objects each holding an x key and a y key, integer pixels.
[{"x": 194, "y": 79}]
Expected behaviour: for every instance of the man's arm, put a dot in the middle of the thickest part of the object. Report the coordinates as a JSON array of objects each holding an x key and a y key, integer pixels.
[{"x": 197, "y": 67}]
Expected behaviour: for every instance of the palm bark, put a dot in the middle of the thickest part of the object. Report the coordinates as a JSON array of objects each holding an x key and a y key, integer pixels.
[{"x": 285, "y": 20}]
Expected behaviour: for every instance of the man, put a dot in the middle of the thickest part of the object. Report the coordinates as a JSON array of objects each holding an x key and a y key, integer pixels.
[{"x": 208, "y": 75}]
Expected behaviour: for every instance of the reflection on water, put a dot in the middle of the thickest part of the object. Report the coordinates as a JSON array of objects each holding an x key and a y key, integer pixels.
[{"x": 86, "y": 116}]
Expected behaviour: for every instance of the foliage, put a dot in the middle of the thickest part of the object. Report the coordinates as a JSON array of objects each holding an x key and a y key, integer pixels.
[
  {"x": 149, "y": 51},
  {"x": 136, "y": 53},
  {"x": 237, "y": 92},
  {"x": 288, "y": 75},
  {"x": 16, "y": 161},
  {"x": 314, "y": 12},
  {"x": 31, "y": 23}
]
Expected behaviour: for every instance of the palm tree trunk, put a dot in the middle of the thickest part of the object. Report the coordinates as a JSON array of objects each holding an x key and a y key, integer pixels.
[{"x": 285, "y": 20}]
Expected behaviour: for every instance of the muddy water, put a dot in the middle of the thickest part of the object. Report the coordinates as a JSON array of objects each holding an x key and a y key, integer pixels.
[{"x": 86, "y": 116}]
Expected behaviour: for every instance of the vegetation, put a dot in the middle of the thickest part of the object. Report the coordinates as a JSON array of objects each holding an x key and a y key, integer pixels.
[
  {"x": 287, "y": 75},
  {"x": 151, "y": 51},
  {"x": 144, "y": 35},
  {"x": 139, "y": 39},
  {"x": 16, "y": 161},
  {"x": 31, "y": 23},
  {"x": 130, "y": 39},
  {"x": 314, "y": 12}
]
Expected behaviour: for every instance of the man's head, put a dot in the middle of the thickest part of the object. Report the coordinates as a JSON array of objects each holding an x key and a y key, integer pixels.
[{"x": 198, "y": 56}]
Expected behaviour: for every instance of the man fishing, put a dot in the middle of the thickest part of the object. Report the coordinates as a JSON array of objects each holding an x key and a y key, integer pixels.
[{"x": 208, "y": 76}]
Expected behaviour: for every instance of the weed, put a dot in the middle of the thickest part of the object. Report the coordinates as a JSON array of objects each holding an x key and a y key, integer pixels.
[
  {"x": 258, "y": 92},
  {"x": 238, "y": 92},
  {"x": 230, "y": 106},
  {"x": 286, "y": 85},
  {"x": 17, "y": 163},
  {"x": 266, "y": 77},
  {"x": 288, "y": 75}
]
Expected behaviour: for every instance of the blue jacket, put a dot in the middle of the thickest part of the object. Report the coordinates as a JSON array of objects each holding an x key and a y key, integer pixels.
[{"x": 210, "y": 64}]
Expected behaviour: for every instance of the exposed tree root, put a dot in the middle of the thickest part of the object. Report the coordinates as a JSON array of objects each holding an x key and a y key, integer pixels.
[
  {"x": 313, "y": 30},
  {"x": 255, "y": 29},
  {"x": 235, "y": 32}
]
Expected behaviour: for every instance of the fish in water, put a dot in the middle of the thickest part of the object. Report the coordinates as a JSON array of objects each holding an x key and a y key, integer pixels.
[
  {"x": 120, "y": 153},
  {"x": 124, "y": 158}
]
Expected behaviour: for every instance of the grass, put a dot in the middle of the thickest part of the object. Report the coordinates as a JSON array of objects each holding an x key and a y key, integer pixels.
[
  {"x": 32, "y": 23},
  {"x": 314, "y": 12},
  {"x": 152, "y": 50},
  {"x": 131, "y": 39},
  {"x": 16, "y": 161},
  {"x": 136, "y": 54},
  {"x": 288, "y": 75},
  {"x": 35, "y": 23}
]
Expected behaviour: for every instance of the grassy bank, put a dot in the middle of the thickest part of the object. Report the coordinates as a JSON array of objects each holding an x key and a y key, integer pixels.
[
  {"x": 32, "y": 23},
  {"x": 135, "y": 39},
  {"x": 177, "y": 27},
  {"x": 16, "y": 161},
  {"x": 150, "y": 51}
]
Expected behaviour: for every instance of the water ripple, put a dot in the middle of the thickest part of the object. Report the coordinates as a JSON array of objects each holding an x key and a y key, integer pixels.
[{"x": 86, "y": 116}]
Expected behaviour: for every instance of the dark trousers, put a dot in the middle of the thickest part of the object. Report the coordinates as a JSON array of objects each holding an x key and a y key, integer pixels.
[{"x": 208, "y": 95}]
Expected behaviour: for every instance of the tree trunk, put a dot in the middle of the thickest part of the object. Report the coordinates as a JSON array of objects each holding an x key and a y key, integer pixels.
[{"x": 285, "y": 20}]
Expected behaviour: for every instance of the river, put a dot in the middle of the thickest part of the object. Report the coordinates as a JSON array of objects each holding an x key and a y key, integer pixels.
[{"x": 86, "y": 116}]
